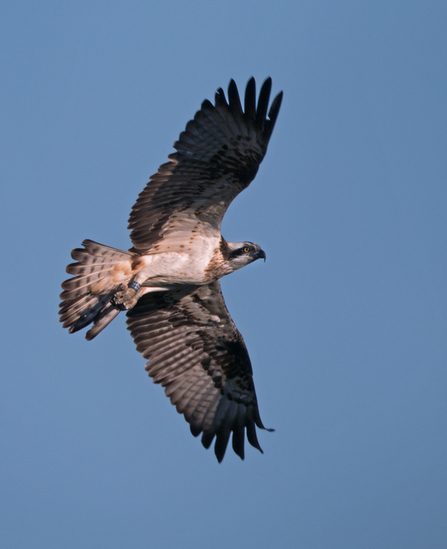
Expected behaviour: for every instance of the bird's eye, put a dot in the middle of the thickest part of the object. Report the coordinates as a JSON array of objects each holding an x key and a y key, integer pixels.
[{"x": 246, "y": 249}]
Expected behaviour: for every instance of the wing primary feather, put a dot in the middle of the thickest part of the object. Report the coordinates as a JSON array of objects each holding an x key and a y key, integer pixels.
[
  {"x": 220, "y": 99},
  {"x": 273, "y": 114},
  {"x": 250, "y": 99},
  {"x": 258, "y": 421},
  {"x": 263, "y": 103},
  {"x": 239, "y": 432},
  {"x": 222, "y": 438},
  {"x": 207, "y": 105},
  {"x": 207, "y": 439},
  {"x": 226, "y": 415},
  {"x": 251, "y": 435},
  {"x": 234, "y": 99},
  {"x": 208, "y": 432}
]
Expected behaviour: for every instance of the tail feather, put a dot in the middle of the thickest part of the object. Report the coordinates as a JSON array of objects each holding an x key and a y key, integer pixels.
[
  {"x": 71, "y": 311},
  {"x": 99, "y": 272},
  {"x": 102, "y": 320},
  {"x": 78, "y": 286},
  {"x": 81, "y": 269},
  {"x": 78, "y": 316}
]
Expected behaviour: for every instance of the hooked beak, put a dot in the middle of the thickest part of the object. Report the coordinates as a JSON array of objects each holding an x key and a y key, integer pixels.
[{"x": 261, "y": 254}]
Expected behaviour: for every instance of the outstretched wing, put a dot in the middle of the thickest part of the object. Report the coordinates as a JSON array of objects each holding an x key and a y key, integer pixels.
[
  {"x": 218, "y": 155},
  {"x": 196, "y": 352}
]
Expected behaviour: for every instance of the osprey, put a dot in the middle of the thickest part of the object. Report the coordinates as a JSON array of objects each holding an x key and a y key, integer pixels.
[{"x": 168, "y": 282}]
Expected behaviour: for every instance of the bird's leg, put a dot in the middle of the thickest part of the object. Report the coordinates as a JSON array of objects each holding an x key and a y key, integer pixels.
[{"x": 127, "y": 296}]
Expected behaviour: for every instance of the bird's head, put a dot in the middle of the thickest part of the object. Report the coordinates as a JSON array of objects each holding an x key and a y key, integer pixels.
[{"x": 243, "y": 253}]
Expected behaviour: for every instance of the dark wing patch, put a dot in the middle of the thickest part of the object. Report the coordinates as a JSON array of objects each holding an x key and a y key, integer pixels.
[
  {"x": 195, "y": 351},
  {"x": 218, "y": 155}
]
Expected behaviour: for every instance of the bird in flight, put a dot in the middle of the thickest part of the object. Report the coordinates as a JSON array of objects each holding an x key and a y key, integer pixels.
[{"x": 168, "y": 282}]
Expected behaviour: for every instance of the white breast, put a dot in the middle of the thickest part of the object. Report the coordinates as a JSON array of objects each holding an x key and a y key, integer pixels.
[{"x": 179, "y": 267}]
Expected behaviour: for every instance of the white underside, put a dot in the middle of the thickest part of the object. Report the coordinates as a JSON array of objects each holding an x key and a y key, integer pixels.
[{"x": 167, "y": 269}]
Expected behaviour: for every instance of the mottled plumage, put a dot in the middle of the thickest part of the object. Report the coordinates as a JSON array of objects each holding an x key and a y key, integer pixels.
[{"x": 168, "y": 282}]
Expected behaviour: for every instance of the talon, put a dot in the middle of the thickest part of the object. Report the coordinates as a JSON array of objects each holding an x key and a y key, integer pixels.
[{"x": 126, "y": 298}]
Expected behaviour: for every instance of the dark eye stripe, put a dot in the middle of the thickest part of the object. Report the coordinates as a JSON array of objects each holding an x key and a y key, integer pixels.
[{"x": 241, "y": 251}]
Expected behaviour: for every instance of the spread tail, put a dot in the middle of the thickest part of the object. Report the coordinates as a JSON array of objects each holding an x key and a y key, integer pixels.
[{"x": 86, "y": 297}]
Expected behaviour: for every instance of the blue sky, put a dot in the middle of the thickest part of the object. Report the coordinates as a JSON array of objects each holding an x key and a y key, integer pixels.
[{"x": 345, "y": 322}]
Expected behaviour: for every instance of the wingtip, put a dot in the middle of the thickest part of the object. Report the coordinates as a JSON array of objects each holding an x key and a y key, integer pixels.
[
  {"x": 276, "y": 102},
  {"x": 233, "y": 98},
  {"x": 250, "y": 99},
  {"x": 263, "y": 102},
  {"x": 219, "y": 97},
  {"x": 273, "y": 113},
  {"x": 206, "y": 105},
  {"x": 267, "y": 84}
]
